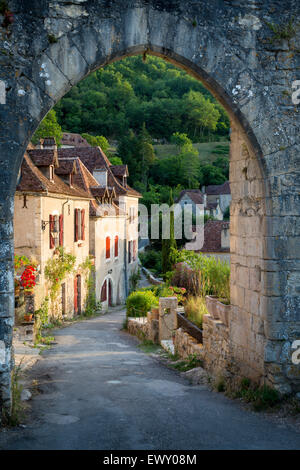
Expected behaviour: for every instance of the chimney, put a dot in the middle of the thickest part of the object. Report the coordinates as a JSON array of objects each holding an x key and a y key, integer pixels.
[{"x": 49, "y": 143}]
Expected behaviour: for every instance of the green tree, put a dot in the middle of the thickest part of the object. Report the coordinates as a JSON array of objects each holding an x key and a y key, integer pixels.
[
  {"x": 115, "y": 160},
  {"x": 49, "y": 127},
  {"x": 168, "y": 243},
  {"x": 97, "y": 141}
]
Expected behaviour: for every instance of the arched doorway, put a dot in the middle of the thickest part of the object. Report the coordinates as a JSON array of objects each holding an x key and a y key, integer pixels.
[
  {"x": 77, "y": 295},
  {"x": 227, "y": 48},
  {"x": 110, "y": 293}
]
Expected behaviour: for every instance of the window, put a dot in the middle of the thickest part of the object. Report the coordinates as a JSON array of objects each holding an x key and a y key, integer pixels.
[
  {"x": 116, "y": 246},
  {"x": 79, "y": 224},
  {"x": 51, "y": 226},
  {"x": 82, "y": 235},
  {"x": 53, "y": 231},
  {"x": 107, "y": 248},
  {"x": 61, "y": 230},
  {"x": 104, "y": 292}
]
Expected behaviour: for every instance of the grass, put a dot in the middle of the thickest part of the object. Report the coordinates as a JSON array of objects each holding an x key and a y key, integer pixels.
[
  {"x": 149, "y": 347},
  {"x": 208, "y": 151},
  {"x": 262, "y": 398},
  {"x": 190, "y": 363},
  {"x": 16, "y": 413},
  {"x": 195, "y": 308}
]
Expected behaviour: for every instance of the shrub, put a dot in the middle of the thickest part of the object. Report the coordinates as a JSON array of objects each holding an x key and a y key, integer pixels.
[
  {"x": 195, "y": 308},
  {"x": 139, "y": 303},
  {"x": 202, "y": 275},
  {"x": 151, "y": 259}
]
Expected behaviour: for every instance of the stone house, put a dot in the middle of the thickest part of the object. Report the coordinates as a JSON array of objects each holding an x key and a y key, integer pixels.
[
  {"x": 70, "y": 139},
  {"x": 216, "y": 240},
  {"x": 113, "y": 219},
  {"x": 193, "y": 199},
  {"x": 196, "y": 200},
  {"x": 51, "y": 211},
  {"x": 218, "y": 193}
]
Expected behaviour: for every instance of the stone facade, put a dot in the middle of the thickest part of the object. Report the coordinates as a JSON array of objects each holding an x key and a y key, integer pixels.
[{"x": 52, "y": 45}]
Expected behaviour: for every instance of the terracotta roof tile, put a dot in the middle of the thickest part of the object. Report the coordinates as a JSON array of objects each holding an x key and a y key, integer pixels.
[
  {"x": 33, "y": 180},
  {"x": 76, "y": 140},
  {"x": 216, "y": 189},
  {"x": 43, "y": 157},
  {"x": 194, "y": 194}
]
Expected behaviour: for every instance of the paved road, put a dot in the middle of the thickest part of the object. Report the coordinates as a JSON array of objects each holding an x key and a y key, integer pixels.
[{"x": 101, "y": 392}]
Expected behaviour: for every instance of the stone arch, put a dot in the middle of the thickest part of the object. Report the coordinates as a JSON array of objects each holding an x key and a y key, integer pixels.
[{"x": 226, "y": 46}]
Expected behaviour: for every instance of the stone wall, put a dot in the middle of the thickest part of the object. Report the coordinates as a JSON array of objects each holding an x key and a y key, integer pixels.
[{"x": 185, "y": 345}]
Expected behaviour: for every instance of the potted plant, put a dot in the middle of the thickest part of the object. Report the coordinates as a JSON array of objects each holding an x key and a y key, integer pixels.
[
  {"x": 28, "y": 279},
  {"x": 28, "y": 317}
]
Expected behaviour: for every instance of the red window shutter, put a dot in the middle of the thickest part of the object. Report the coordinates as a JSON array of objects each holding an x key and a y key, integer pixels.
[
  {"x": 107, "y": 247},
  {"x": 51, "y": 228},
  {"x": 61, "y": 230},
  {"x": 76, "y": 225},
  {"x": 129, "y": 252},
  {"x": 82, "y": 224},
  {"x": 134, "y": 250},
  {"x": 116, "y": 246},
  {"x": 75, "y": 295}
]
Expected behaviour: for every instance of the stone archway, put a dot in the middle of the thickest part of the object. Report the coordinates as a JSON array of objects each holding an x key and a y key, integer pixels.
[{"x": 53, "y": 45}]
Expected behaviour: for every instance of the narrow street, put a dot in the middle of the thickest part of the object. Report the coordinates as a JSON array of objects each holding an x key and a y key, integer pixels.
[{"x": 98, "y": 390}]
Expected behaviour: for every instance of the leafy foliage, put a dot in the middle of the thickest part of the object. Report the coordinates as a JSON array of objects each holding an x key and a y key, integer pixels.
[
  {"x": 125, "y": 94},
  {"x": 138, "y": 303},
  {"x": 57, "y": 268},
  {"x": 49, "y": 127},
  {"x": 195, "y": 308},
  {"x": 202, "y": 275},
  {"x": 97, "y": 141}
]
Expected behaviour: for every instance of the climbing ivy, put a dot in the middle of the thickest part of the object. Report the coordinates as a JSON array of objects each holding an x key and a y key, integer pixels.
[
  {"x": 91, "y": 305},
  {"x": 56, "y": 270}
]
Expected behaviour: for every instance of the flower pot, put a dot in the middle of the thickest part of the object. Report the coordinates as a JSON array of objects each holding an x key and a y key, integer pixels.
[
  {"x": 28, "y": 317},
  {"x": 217, "y": 309}
]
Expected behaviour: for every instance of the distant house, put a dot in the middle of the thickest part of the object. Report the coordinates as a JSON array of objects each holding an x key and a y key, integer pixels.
[
  {"x": 213, "y": 209},
  {"x": 216, "y": 240},
  {"x": 70, "y": 140},
  {"x": 192, "y": 198},
  {"x": 218, "y": 193}
]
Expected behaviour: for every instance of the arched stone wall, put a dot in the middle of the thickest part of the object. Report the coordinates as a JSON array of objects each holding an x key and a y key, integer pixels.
[{"x": 228, "y": 45}]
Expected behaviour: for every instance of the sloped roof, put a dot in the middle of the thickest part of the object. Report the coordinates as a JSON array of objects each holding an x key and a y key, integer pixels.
[
  {"x": 217, "y": 189},
  {"x": 85, "y": 180},
  {"x": 33, "y": 180},
  {"x": 76, "y": 140},
  {"x": 91, "y": 157},
  {"x": 66, "y": 167},
  {"x": 119, "y": 170},
  {"x": 43, "y": 157},
  {"x": 212, "y": 236},
  {"x": 194, "y": 194}
]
